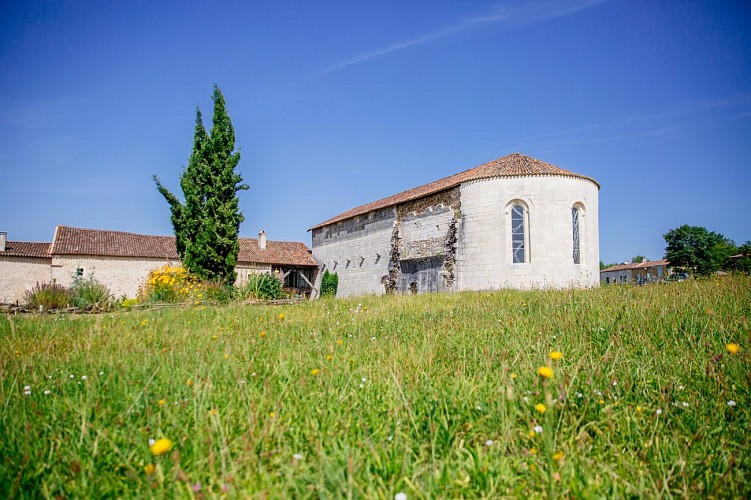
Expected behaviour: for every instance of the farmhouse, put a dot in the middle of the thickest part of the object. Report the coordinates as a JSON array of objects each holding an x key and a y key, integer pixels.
[
  {"x": 122, "y": 261},
  {"x": 642, "y": 272},
  {"x": 514, "y": 222}
]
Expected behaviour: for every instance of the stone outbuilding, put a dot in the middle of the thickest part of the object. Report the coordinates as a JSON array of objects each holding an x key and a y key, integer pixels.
[
  {"x": 122, "y": 261},
  {"x": 514, "y": 222}
]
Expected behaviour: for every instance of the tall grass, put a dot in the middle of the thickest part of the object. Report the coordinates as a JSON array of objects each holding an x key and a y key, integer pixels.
[{"x": 431, "y": 395}]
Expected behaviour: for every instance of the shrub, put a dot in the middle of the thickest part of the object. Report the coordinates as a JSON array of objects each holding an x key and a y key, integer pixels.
[
  {"x": 217, "y": 292},
  {"x": 47, "y": 296},
  {"x": 329, "y": 284},
  {"x": 261, "y": 286},
  {"x": 170, "y": 284},
  {"x": 89, "y": 293}
]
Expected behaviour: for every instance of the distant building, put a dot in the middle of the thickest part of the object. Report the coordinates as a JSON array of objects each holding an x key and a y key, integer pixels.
[
  {"x": 514, "y": 222},
  {"x": 643, "y": 272},
  {"x": 122, "y": 261}
]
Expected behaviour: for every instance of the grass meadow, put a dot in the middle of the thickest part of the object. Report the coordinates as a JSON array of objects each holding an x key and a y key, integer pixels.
[{"x": 425, "y": 396}]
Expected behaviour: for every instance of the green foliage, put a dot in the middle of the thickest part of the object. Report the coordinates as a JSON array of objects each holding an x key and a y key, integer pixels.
[
  {"x": 695, "y": 248},
  {"x": 329, "y": 284},
  {"x": 207, "y": 224},
  {"x": 433, "y": 395},
  {"x": 88, "y": 292},
  {"x": 743, "y": 263},
  {"x": 48, "y": 296},
  {"x": 262, "y": 286},
  {"x": 636, "y": 259}
]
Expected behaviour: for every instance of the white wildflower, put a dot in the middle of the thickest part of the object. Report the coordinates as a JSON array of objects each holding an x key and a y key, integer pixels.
[
  {"x": 659, "y": 411},
  {"x": 151, "y": 442},
  {"x": 297, "y": 456},
  {"x": 400, "y": 496},
  {"x": 489, "y": 442},
  {"x": 46, "y": 392},
  {"x": 731, "y": 403},
  {"x": 538, "y": 429}
]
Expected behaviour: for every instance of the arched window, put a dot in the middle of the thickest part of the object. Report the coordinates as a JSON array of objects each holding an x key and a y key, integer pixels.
[
  {"x": 577, "y": 240},
  {"x": 518, "y": 234}
]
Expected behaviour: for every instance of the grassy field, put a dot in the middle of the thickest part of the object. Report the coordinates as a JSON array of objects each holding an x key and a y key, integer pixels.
[{"x": 430, "y": 396}]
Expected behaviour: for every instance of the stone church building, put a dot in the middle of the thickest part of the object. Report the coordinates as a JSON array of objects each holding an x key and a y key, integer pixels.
[{"x": 514, "y": 222}]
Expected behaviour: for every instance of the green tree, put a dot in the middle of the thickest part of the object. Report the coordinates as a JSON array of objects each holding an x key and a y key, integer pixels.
[
  {"x": 207, "y": 224},
  {"x": 743, "y": 263},
  {"x": 638, "y": 259},
  {"x": 697, "y": 249},
  {"x": 329, "y": 284}
]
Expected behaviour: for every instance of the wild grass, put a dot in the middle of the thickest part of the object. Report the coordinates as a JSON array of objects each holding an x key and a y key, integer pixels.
[{"x": 432, "y": 396}]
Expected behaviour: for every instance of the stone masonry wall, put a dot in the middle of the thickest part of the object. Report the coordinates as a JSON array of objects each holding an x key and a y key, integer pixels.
[
  {"x": 357, "y": 250},
  {"x": 121, "y": 275},
  {"x": 19, "y": 274}
]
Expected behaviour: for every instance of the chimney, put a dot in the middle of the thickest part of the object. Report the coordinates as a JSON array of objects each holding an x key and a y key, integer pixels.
[
  {"x": 262, "y": 240},
  {"x": 3, "y": 240}
]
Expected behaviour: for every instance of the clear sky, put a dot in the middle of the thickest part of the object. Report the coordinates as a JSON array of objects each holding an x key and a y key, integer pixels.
[{"x": 337, "y": 104}]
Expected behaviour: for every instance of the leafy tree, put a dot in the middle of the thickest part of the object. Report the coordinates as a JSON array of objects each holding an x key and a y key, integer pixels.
[
  {"x": 605, "y": 266},
  {"x": 695, "y": 247},
  {"x": 207, "y": 224},
  {"x": 638, "y": 259},
  {"x": 743, "y": 264}
]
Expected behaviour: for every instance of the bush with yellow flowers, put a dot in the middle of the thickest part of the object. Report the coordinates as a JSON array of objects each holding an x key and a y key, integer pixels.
[{"x": 170, "y": 284}]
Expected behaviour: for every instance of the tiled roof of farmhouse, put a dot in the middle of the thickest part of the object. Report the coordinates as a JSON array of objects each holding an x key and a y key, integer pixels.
[
  {"x": 513, "y": 165},
  {"x": 640, "y": 265},
  {"x": 26, "y": 249},
  {"x": 96, "y": 242}
]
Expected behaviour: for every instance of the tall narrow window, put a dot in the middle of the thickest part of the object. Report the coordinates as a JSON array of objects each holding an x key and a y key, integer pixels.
[
  {"x": 575, "y": 226},
  {"x": 517, "y": 234}
]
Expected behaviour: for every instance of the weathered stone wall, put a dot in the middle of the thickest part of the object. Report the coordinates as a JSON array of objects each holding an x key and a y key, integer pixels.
[
  {"x": 121, "y": 275},
  {"x": 484, "y": 257},
  {"x": 19, "y": 274},
  {"x": 357, "y": 250}
]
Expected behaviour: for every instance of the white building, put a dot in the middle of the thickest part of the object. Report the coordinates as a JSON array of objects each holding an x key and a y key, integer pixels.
[{"x": 515, "y": 222}]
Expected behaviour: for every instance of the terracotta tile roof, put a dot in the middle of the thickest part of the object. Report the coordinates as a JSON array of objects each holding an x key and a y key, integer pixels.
[
  {"x": 26, "y": 249},
  {"x": 292, "y": 253},
  {"x": 76, "y": 241},
  {"x": 640, "y": 265},
  {"x": 513, "y": 165}
]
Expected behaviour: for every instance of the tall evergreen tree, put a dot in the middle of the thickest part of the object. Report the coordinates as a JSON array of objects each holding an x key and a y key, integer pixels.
[{"x": 207, "y": 224}]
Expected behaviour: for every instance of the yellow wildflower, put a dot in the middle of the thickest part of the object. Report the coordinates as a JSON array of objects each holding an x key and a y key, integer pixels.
[
  {"x": 281, "y": 316},
  {"x": 540, "y": 407},
  {"x": 639, "y": 409},
  {"x": 339, "y": 342},
  {"x": 513, "y": 376},
  {"x": 149, "y": 469},
  {"x": 272, "y": 414},
  {"x": 733, "y": 348},
  {"x": 263, "y": 333},
  {"x": 161, "y": 446},
  {"x": 315, "y": 372},
  {"x": 532, "y": 451},
  {"x": 545, "y": 372},
  {"x": 212, "y": 411},
  {"x": 329, "y": 357},
  {"x": 162, "y": 402},
  {"x": 602, "y": 401},
  {"x": 559, "y": 456},
  {"x": 556, "y": 355},
  {"x": 531, "y": 434},
  {"x": 189, "y": 383}
]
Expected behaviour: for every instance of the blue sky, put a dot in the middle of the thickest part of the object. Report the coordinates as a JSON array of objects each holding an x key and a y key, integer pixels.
[{"x": 336, "y": 104}]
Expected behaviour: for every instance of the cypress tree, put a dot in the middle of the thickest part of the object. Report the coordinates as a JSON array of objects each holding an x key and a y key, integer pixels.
[{"x": 207, "y": 224}]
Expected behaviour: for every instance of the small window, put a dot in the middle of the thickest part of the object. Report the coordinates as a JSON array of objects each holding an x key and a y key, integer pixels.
[
  {"x": 79, "y": 272},
  {"x": 518, "y": 234},
  {"x": 575, "y": 226}
]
